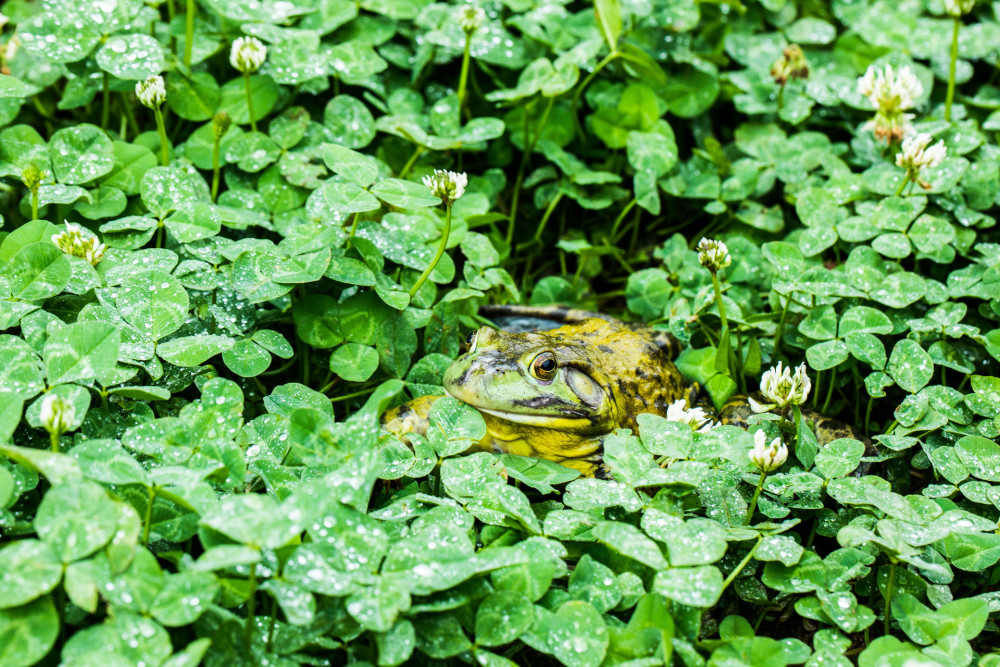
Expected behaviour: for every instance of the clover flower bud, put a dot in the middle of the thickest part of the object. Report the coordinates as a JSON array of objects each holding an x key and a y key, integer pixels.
[
  {"x": 448, "y": 185},
  {"x": 32, "y": 175},
  {"x": 767, "y": 457},
  {"x": 151, "y": 92},
  {"x": 221, "y": 123},
  {"x": 73, "y": 242},
  {"x": 713, "y": 255},
  {"x": 56, "y": 414},
  {"x": 890, "y": 93},
  {"x": 248, "y": 54},
  {"x": 471, "y": 18},
  {"x": 782, "y": 388},
  {"x": 917, "y": 154},
  {"x": 11, "y": 48},
  {"x": 696, "y": 418},
  {"x": 791, "y": 65},
  {"x": 958, "y": 8}
]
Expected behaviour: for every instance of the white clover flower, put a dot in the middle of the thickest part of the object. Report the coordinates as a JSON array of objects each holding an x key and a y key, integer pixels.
[
  {"x": 448, "y": 185},
  {"x": 958, "y": 8},
  {"x": 917, "y": 154},
  {"x": 696, "y": 418},
  {"x": 890, "y": 90},
  {"x": 56, "y": 414},
  {"x": 151, "y": 92},
  {"x": 248, "y": 54},
  {"x": 471, "y": 18},
  {"x": 891, "y": 93},
  {"x": 73, "y": 242},
  {"x": 767, "y": 458},
  {"x": 713, "y": 255},
  {"x": 782, "y": 388}
]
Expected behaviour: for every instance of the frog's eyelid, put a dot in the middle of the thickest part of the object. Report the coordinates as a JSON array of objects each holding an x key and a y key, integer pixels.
[{"x": 584, "y": 386}]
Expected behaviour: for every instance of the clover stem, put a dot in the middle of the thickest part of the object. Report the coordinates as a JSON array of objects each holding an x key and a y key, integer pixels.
[
  {"x": 132, "y": 123},
  {"x": 829, "y": 391},
  {"x": 781, "y": 97},
  {"x": 409, "y": 163},
  {"x": 718, "y": 300},
  {"x": 739, "y": 568},
  {"x": 545, "y": 217},
  {"x": 529, "y": 148},
  {"x": 215, "y": 168},
  {"x": 740, "y": 379},
  {"x": 171, "y": 10},
  {"x": 253, "y": 120},
  {"x": 583, "y": 86},
  {"x": 162, "y": 129},
  {"x": 950, "y": 96},
  {"x": 781, "y": 326},
  {"x": 148, "y": 518},
  {"x": 888, "y": 596},
  {"x": 735, "y": 363},
  {"x": 54, "y": 440},
  {"x": 868, "y": 415},
  {"x": 440, "y": 251},
  {"x": 269, "y": 647},
  {"x": 189, "y": 32},
  {"x": 251, "y": 608},
  {"x": 906, "y": 180},
  {"x": 105, "y": 101},
  {"x": 620, "y": 218},
  {"x": 753, "y": 501},
  {"x": 34, "y": 203},
  {"x": 354, "y": 227},
  {"x": 463, "y": 77}
]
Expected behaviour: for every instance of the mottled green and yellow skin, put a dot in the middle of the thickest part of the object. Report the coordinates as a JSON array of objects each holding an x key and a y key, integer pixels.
[{"x": 555, "y": 394}]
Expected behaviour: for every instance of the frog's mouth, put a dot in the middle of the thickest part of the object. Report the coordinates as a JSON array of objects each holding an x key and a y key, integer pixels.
[{"x": 532, "y": 418}]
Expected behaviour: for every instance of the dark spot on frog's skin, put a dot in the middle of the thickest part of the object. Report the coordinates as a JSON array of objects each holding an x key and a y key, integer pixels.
[
  {"x": 639, "y": 373},
  {"x": 629, "y": 389},
  {"x": 606, "y": 349},
  {"x": 404, "y": 411}
]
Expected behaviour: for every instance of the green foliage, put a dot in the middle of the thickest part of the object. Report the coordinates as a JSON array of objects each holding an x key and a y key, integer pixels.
[{"x": 220, "y": 491}]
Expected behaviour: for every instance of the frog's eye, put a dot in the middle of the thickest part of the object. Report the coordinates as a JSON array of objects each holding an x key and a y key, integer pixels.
[
  {"x": 470, "y": 340},
  {"x": 544, "y": 366}
]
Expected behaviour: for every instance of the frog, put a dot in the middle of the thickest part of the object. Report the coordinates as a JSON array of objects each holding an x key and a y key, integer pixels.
[{"x": 557, "y": 394}]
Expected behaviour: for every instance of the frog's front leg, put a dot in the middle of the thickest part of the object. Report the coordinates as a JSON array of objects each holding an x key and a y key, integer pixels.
[{"x": 410, "y": 417}]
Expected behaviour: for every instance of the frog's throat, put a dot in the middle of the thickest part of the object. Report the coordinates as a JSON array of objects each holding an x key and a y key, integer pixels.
[{"x": 545, "y": 421}]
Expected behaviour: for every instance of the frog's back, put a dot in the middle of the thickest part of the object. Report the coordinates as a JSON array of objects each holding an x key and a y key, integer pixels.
[{"x": 540, "y": 318}]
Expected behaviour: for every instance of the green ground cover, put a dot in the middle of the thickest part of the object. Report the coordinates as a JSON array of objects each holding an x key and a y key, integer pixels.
[{"x": 219, "y": 265}]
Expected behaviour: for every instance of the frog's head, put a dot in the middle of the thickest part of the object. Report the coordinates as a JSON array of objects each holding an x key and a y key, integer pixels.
[{"x": 587, "y": 378}]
